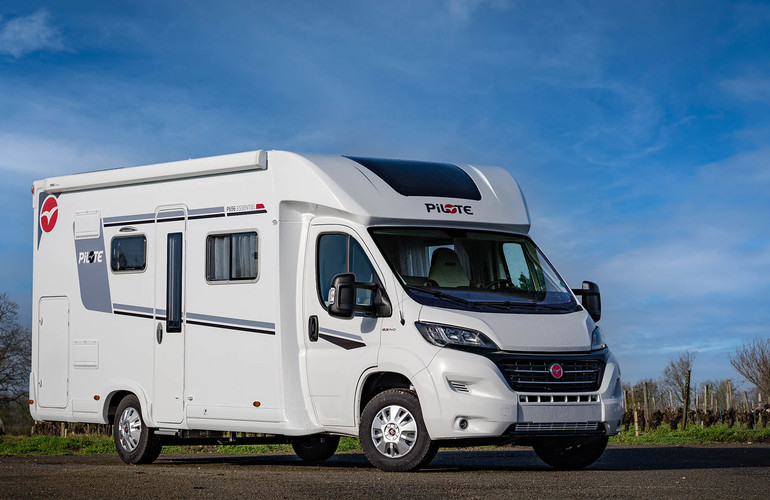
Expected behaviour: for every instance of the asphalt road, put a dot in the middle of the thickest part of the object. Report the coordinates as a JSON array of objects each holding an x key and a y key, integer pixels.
[{"x": 707, "y": 471}]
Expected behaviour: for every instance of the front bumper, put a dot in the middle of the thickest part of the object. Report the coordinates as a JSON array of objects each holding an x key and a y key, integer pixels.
[{"x": 466, "y": 396}]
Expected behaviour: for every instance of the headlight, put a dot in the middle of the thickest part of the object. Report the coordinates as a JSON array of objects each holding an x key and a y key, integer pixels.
[
  {"x": 442, "y": 335},
  {"x": 597, "y": 340}
]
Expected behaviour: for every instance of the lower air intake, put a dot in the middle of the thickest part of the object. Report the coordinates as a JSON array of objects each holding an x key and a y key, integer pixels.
[{"x": 557, "y": 427}]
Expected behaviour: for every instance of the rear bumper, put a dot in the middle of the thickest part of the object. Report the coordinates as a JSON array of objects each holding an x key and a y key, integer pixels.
[{"x": 466, "y": 396}]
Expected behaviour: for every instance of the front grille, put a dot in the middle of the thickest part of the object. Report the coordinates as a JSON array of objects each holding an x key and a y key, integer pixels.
[
  {"x": 558, "y": 398},
  {"x": 533, "y": 375},
  {"x": 559, "y": 427}
]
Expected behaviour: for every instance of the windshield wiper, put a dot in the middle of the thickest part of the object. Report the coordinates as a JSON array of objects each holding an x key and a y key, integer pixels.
[
  {"x": 440, "y": 294},
  {"x": 525, "y": 305}
]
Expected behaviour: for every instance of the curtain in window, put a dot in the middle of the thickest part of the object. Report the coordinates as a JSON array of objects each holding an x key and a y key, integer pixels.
[
  {"x": 244, "y": 256},
  {"x": 413, "y": 260},
  {"x": 219, "y": 258}
]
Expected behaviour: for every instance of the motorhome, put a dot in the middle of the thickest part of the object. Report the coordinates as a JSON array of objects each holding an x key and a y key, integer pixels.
[{"x": 270, "y": 296}]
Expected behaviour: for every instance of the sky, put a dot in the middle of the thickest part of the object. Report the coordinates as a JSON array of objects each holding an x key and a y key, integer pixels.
[{"x": 638, "y": 131}]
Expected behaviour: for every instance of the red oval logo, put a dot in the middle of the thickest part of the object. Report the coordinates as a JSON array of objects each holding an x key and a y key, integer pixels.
[
  {"x": 49, "y": 213},
  {"x": 556, "y": 370}
]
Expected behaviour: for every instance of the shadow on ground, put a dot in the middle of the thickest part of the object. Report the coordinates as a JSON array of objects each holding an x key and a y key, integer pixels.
[{"x": 518, "y": 459}]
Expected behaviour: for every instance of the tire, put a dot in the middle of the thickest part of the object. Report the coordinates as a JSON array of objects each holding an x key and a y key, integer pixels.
[
  {"x": 135, "y": 442},
  {"x": 393, "y": 434},
  {"x": 316, "y": 448},
  {"x": 570, "y": 453}
]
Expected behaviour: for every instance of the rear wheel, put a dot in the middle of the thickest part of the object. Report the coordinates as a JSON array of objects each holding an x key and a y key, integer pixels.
[
  {"x": 315, "y": 448},
  {"x": 393, "y": 434},
  {"x": 135, "y": 442},
  {"x": 570, "y": 453}
]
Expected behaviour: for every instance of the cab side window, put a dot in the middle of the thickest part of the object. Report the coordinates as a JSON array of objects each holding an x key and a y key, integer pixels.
[{"x": 340, "y": 253}]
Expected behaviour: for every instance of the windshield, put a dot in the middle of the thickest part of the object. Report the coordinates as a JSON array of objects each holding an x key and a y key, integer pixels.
[{"x": 478, "y": 270}]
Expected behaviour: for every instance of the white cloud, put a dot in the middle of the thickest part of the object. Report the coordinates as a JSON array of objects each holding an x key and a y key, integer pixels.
[
  {"x": 748, "y": 89},
  {"x": 25, "y": 34},
  {"x": 43, "y": 157},
  {"x": 750, "y": 168},
  {"x": 462, "y": 10}
]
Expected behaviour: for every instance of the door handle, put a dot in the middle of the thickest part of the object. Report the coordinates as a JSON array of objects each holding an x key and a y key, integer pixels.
[
  {"x": 312, "y": 328},
  {"x": 159, "y": 333}
]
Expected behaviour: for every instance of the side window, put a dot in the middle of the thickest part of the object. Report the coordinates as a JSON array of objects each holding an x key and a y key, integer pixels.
[
  {"x": 128, "y": 253},
  {"x": 232, "y": 257},
  {"x": 339, "y": 253},
  {"x": 517, "y": 266},
  {"x": 174, "y": 282}
]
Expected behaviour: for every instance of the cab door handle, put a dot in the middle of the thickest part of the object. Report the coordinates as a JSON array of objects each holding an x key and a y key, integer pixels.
[{"x": 312, "y": 328}]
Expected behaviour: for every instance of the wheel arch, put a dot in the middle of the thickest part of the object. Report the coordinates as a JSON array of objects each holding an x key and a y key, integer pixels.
[
  {"x": 376, "y": 382},
  {"x": 117, "y": 392}
]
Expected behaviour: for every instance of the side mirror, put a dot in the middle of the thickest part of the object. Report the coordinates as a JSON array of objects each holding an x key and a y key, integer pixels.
[
  {"x": 343, "y": 294},
  {"x": 591, "y": 299}
]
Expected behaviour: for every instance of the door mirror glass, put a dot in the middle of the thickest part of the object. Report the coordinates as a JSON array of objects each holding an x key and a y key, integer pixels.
[{"x": 347, "y": 297}]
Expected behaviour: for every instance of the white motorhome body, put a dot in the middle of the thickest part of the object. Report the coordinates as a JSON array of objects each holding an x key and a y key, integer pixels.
[{"x": 202, "y": 293}]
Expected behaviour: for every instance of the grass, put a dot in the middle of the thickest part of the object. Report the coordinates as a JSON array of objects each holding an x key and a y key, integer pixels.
[
  {"x": 694, "y": 434},
  {"x": 50, "y": 445},
  {"x": 100, "y": 445},
  {"x": 96, "y": 444}
]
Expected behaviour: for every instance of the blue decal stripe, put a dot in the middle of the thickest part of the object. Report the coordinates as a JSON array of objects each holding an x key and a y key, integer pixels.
[
  {"x": 243, "y": 325},
  {"x": 139, "y": 309},
  {"x": 234, "y": 321}
]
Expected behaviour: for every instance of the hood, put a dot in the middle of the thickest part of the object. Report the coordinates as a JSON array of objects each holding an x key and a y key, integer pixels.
[{"x": 521, "y": 332}]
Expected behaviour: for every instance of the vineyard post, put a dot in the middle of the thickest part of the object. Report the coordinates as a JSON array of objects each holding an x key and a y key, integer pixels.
[
  {"x": 646, "y": 410},
  {"x": 686, "y": 400},
  {"x": 698, "y": 421},
  {"x": 636, "y": 413}
]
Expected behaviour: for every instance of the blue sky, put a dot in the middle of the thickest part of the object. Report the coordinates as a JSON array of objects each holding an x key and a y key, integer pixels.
[{"x": 639, "y": 131}]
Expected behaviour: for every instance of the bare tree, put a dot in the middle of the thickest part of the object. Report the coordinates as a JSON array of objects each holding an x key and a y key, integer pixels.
[
  {"x": 14, "y": 353},
  {"x": 752, "y": 360},
  {"x": 676, "y": 376}
]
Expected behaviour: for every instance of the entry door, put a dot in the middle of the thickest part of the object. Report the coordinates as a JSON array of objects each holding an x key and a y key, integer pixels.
[
  {"x": 53, "y": 351},
  {"x": 170, "y": 249},
  {"x": 338, "y": 350}
]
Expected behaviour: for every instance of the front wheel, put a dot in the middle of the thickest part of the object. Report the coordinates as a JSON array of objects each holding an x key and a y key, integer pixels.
[
  {"x": 315, "y": 448},
  {"x": 136, "y": 443},
  {"x": 393, "y": 434},
  {"x": 570, "y": 453}
]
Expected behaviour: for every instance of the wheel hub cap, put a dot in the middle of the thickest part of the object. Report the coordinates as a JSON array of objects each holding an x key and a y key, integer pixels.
[
  {"x": 394, "y": 431},
  {"x": 130, "y": 429}
]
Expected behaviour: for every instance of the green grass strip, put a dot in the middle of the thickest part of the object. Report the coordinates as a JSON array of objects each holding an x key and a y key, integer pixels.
[
  {"x": 694, "y": 434},
  {"x": 98, "y": 445}
]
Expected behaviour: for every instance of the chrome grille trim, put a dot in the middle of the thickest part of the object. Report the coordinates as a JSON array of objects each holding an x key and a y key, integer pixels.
[
  {"x": 458, "y": 386},
  {"x": 568, "y": 427}
]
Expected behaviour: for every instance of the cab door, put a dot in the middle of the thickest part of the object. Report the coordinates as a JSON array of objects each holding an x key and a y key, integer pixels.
[{"x": 338, "y": 350}]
